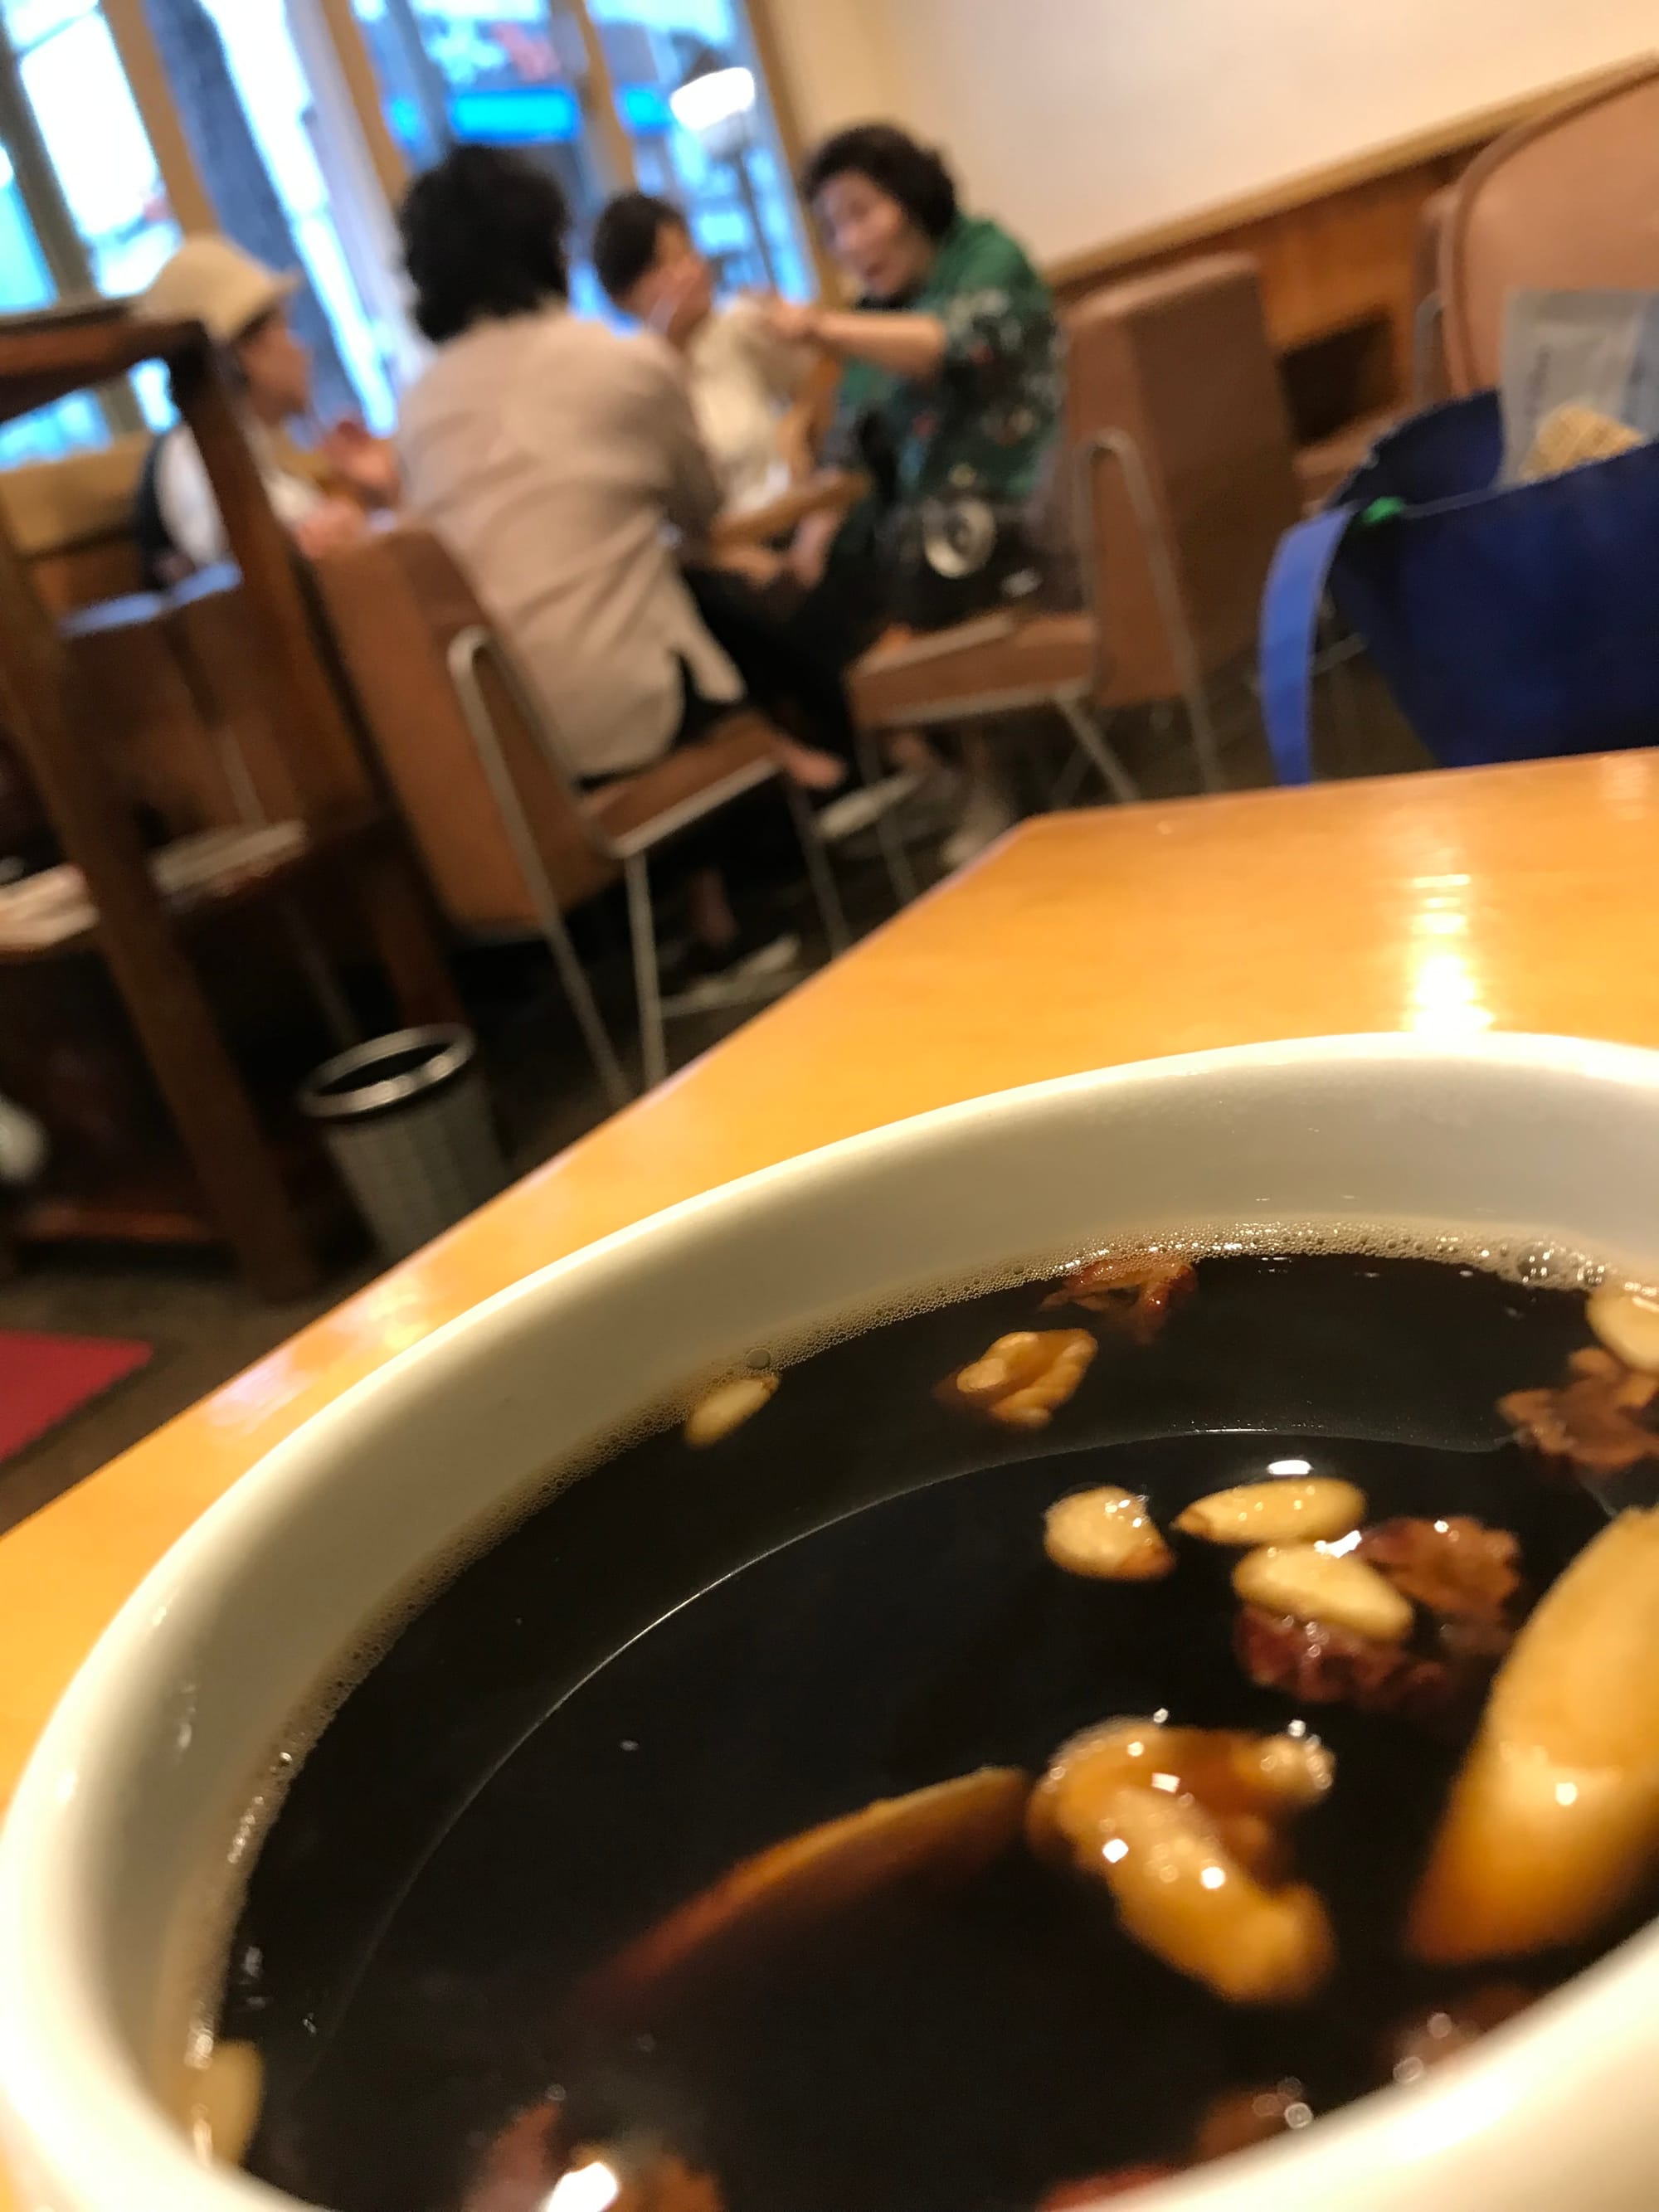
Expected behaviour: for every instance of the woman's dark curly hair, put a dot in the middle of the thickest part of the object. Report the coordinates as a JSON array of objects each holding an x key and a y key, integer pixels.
[
  {"x": 483, "y": 235},
  {"x": 912, "y": 175}
]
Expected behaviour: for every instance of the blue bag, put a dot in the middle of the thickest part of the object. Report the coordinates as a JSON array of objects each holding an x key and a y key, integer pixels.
[{"x": 1508, "y": 622}]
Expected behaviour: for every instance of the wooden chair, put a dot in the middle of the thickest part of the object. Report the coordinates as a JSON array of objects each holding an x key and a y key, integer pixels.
[
  {"x": 1321, "y": 468},
  {"x": 1185, "y": 482},
  {"x": 71, "y": 520},
  {"x": 510, "y": 843},
  {"x": 1569, "y": 202},
  {"x": 51, "y": 709}
]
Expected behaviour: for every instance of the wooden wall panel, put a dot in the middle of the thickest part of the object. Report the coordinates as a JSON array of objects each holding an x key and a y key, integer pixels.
[
  {"x": 1340, "y": 246},
  {"x": 1327, "y": 265}
]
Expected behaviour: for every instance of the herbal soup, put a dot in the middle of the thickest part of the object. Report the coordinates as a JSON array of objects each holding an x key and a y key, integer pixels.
[{"x": 1015, "y": 1754}]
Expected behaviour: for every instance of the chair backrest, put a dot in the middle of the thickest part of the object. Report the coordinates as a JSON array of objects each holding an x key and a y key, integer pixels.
[
  {"x": 325, "y": 775},
  {"x": 394, "y": 603},
  {"x": 71, "y": 520},
  {"x": 1568, "y": 203},
  {"x": 1182, "y": 362},
  {"x": 164, "y": 745},
  {"x": 180, "y": 708}
]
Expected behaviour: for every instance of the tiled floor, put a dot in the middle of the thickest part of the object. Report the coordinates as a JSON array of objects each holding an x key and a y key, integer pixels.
[{"x": 206, "y": 1327}]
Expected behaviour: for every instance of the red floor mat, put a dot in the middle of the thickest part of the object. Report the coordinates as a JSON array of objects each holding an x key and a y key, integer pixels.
[{"x": 45, "y": 1379}]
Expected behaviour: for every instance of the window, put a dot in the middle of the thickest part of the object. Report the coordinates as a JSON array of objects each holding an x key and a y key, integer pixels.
[
  {"x": 78, "y": 91},
  {"x": 693, "y": 101},
  {"x": 271, "y": 143},
  {"x": 26, "y": 282},
  {"x": 84, "y": 206},
  {"x": 246, "y": 106},
  {"x": 678, "y": 105},
  {"x": 503, "y": 72},
  {"x": 512, "y": 73}
]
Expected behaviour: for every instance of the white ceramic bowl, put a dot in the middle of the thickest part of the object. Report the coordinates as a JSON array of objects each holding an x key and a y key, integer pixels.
[{"x": 137, "y": 1782}]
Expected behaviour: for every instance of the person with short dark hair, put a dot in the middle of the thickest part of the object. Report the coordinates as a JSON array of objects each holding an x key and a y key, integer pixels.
[
  {"x": 628, "y": 249},
  {"x": 552, "y": 454},
  {"x": 484, "y": 236},
  {"x": 555, "y": 455},
  {"x": 744, "y": 383},
  {"x": 888, "y": 159}
]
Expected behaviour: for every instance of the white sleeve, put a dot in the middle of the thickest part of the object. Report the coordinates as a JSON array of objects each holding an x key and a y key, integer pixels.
[{"x": 185, "y": 499}]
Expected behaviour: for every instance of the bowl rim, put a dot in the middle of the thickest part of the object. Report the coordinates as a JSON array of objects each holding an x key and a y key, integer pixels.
[{"x": 73, "y": 2102}]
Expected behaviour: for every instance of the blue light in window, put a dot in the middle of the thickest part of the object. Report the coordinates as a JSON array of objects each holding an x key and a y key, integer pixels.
[
  {"x": 644, "y": 110},
  {"x": 517, "y": 116},
  {"x": 403, "y": 115}
]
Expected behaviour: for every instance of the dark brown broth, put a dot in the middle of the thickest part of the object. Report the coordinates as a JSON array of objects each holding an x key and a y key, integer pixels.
[{"x": 536, "y": 1772}]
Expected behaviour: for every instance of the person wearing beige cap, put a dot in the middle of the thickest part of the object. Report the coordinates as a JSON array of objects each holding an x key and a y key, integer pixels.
[{"x": 243, "y": 305}]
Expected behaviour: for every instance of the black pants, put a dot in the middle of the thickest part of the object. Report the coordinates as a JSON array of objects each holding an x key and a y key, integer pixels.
[
  {"x": 791, "y": 649},
  {"x": 751, "y": 841}
]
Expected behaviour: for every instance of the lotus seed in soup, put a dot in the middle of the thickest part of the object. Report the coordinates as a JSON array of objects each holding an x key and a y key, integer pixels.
[{"x": 1011, "y": 1756}]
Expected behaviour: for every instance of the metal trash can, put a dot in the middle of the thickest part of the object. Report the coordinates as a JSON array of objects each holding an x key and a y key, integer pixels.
[{"x": 406, "y": 1119}]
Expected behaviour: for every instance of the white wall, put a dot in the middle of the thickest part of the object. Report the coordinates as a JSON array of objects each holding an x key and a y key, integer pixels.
[
  {"x": 837, "y": 59},
  {"x": 1078, "y": 120}
]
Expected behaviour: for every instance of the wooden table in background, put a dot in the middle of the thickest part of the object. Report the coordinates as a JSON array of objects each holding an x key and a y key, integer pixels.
[{"x": 1519, "y": 898}]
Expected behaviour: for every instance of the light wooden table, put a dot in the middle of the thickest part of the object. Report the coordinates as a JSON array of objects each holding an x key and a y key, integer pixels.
[{"x": 1521, "y": 898}]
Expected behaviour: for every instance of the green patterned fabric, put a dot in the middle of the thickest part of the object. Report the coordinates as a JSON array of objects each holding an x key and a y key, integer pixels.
[{"x": 985, "y": 423}]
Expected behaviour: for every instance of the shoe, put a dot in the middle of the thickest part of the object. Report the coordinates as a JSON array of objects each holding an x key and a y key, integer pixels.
[
  {"x": 983, "y": 819},
  {"x": 22, "y": 1145},
  {"x": 934, "y": 807},
  {"x": 922, "y": 816},
  {"x": 855, "y": 811},
  {"x": 740, "y": 975}
]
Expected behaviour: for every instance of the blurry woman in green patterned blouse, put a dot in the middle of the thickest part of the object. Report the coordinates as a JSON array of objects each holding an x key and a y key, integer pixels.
[{"x": 951, "y": 393}]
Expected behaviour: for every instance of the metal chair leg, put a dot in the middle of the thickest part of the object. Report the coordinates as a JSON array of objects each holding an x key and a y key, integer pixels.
[
  {"x": 1067, "y": 784},
  {"x": 819, "y": 873},
  {"x": 647, "y": 984},
  {"x": 1206, "y": 748},
  {"x": 1092, "y": 741},
  {"x": 464, "y": 651},
  {"x": 900, "y": 874},
  {"x": 584, "y": 1005}
]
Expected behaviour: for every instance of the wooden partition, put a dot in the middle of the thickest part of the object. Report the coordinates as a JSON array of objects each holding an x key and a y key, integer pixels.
[
  {"x": 72, "y": 521},
  {"x": 1338, "y": 252}
]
